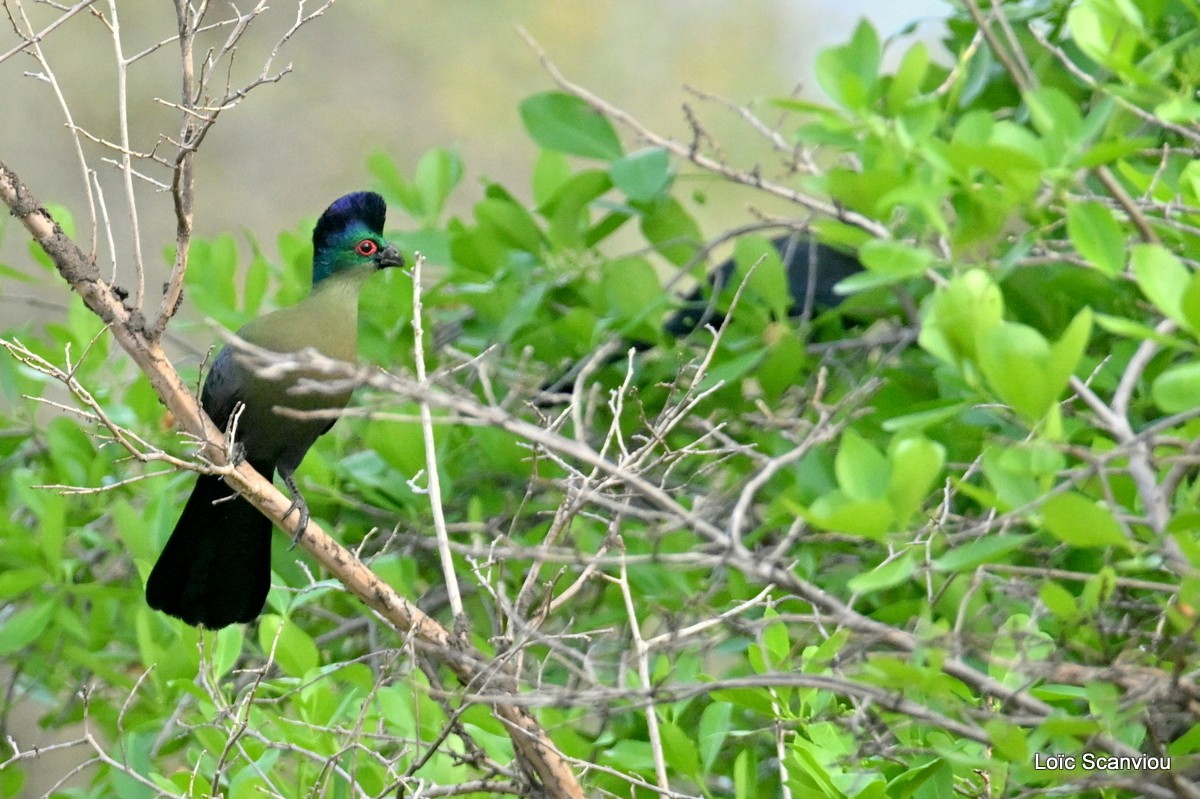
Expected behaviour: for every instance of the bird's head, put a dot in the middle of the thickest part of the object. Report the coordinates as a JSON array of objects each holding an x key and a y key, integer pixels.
[{"x": 349, "y": 237}]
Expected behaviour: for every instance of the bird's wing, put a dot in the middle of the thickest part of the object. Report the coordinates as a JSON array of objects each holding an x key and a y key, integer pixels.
[{"x": 222, "y": 388}]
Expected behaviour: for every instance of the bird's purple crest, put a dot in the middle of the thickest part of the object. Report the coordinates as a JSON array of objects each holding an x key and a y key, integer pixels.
[{"x": 361, "y": 207}]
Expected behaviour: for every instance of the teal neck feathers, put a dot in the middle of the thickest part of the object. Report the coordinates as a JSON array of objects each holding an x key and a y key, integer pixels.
[{"x": 348, "y": 247}]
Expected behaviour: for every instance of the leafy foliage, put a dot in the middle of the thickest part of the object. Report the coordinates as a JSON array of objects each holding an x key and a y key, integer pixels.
[{"x": 897, "y": 550}]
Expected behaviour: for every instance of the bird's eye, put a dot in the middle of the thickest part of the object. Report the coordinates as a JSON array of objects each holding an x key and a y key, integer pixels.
[{"x": 366, "y": 247}]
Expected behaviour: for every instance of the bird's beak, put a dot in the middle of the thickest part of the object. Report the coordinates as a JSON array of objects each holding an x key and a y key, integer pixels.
[{"x": 389, "y": 256}]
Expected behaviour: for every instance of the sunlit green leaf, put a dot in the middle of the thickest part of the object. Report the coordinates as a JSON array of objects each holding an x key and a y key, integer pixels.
[
  {"x": 1161, "y": 277},
  {"x": 1177, "y": 389},
  {"x": 1096, "y": 234},
  {"x": 862, "y": 471},
  {"x": 916, "y": 463},
  {"x": 642, "y": 175},
  {"x": 1074, "y": 519},
  {"x": 563, "y": 122},
  {"x": 885, "y": 575}
]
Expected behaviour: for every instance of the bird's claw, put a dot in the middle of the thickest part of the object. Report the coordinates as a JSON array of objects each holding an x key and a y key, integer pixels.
[{"x": 298, "y": 504}]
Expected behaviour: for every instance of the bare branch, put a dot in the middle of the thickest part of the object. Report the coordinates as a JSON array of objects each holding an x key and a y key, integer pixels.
[
  {"x": 405, "y": 618},
  {"x": 699, "y": 159},
  {"x": 432, "y": 478}
]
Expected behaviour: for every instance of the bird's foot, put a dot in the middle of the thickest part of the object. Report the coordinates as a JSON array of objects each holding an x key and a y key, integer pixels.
[{"x": 298, "y": 504}]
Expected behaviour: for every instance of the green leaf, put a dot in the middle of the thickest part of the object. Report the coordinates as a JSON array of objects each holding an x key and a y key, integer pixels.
[
  {"x": 1058, "y": 119},
  {"x": 15, "y": 582},
  {"x": 642, "y": 175},
  {"x": 1180, "y": 110},
  {"x": 775, "y": 640},
  {"x": 396, "y": 708},
  {"x": 50, "y": 508},
  {"x": 392, "y": 183},
  {"x": 25, "y": 626},
  {"x": 632, "y": 291},
  {"x": 732, "y": 370},
  {"x": 987, "y": 549},
  {"x": 563, "y": 122},
  {"x": 679, "y": 750},
  {"x": 630, "y": 754},
  {"x": 1098, "y": 589},
  {"x": 1189, "y": 303},
  {"x": 294, "y": 649},
  {"x": 229, "y": 642},
  {"x": 906, "y": 81},
  {"x": 959, "y": 315},
  {"x": 919, "y": 420},
  {"x": 745, "y": 775},
  {"x": 835, "y": 511},
  {"x": 438, "y": 172},
  {"x": 1178, "y": 388},
  {"x": 768, "y": 280},
  {"x": 1189, "y": 180},
  {"x": 672, "y": 230},
  {"x": 1086, "y": 29},
  {"x": 1163, "y": 279},
  {"x": 1059, "y": 601},
  {"x": 1010, "y": 741},
  {"x": 12, "y": 780},
  {"x": 819, "y": 657},
  {"x": 1096, "y": 28},
  {"x": 248, "y": 784},
  {"x": 1128, "y": 328},
  {"x": 894, "y": 259},
  {"x": 1025, "y": 370},
  {"x": 1011, "y": 356},
  {"x": 550, "y": 171},
  {"x": 1014, "y": 487},
  {"x": 756, "y": 700},
  {"x": 1106, "y": 152},
  {"x": 569, "y": 208},
  {"x": 915, "y": 465},
  {"x": 863, "y": 472},
  {"x": 1066, "y": 353},
  {"x": 511, "y": 223},
  {"x": 714, "y": 727},
  {"x": 886, "y": 575},
  {"x": 806, "y": 767},
  {"x": 1079, "y": 521},
  {"x": 212, "y": 267},
  {"x": 258, "y": 278},
  {"x": 850, "y": 73},
  {"x": 607, "y": 225},
  {"x": 1097, "y": 235},
  {"x": 780, "y": 369},
  {"x": 909, "y": 781}
]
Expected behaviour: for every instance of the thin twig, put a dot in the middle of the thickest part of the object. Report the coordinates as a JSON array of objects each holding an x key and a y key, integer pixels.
[
  {"x": 433, "y": 484},
  {"x": 687, "y": 153}
]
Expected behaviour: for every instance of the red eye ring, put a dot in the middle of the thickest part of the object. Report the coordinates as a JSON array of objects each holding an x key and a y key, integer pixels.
[{"x": 366, "y": 248}]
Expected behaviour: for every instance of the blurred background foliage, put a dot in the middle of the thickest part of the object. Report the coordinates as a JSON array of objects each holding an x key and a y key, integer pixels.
[{"x": 403, "y": 79}]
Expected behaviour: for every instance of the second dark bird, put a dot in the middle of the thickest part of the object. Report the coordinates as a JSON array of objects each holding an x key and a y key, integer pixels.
[{"x": 216, "y": 567}]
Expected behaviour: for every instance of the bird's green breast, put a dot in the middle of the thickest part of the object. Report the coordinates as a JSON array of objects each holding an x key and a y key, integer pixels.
[{"x": 326, "y": 320}]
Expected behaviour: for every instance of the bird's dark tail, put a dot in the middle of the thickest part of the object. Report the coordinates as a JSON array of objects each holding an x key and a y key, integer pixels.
[{"x": 216, "y": 567}]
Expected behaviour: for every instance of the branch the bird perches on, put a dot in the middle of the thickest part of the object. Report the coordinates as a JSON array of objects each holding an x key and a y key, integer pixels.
[{"x": 129, "y": 328}]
